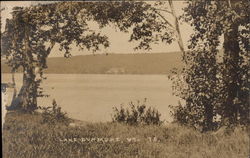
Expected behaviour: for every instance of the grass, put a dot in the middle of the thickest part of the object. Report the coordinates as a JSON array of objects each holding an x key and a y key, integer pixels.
[{"x": 25, "y": 137}]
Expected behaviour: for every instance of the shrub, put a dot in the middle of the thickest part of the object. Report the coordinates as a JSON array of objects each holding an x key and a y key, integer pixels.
[
  {"x": 182, "y": 116},
  {"x": 137, "y": 114},
  {"x": 190, "y": 116},
  {"x": 54, "y": 115}
]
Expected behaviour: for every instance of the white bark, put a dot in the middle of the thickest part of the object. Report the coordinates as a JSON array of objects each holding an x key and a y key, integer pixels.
[
  {"x": 4, "y": 96},
  {"x": 177, "y": 28}
]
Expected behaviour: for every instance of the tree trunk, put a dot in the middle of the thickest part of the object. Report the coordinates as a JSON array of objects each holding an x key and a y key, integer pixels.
[
  {"x": 14, "y": 96},
  {"x": 177, "y": 28},
  {"x": 28, "y": 92},
  {"x": 231, "y": 75},
  {"x": 14, "y": 83},
  {"x": 208, "y": 117}
]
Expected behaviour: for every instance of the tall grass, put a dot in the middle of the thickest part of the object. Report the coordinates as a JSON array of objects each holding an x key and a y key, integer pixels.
[{"x": 25, "y": 137}]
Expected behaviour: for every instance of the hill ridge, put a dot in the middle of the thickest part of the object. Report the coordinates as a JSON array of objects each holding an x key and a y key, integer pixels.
[{"x": 136, "y": 63}]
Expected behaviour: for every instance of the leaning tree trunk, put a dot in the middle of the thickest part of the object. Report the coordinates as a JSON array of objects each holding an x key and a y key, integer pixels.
[
  {"x": 231, "y": 75},
  {"x": 28, "y": 92}
]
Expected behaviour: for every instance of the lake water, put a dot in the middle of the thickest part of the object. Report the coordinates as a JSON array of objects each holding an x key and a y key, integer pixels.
[{"x": 90, "y": 97}]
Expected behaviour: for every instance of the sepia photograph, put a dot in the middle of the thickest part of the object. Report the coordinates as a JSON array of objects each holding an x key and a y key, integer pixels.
[{"x": 125, "y": 79}]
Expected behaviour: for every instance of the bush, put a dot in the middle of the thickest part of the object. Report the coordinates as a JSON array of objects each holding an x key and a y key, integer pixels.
[
  {"x": 54, "y": 115},
  {"x": 190, "y": 116},
  {"x": 179, "y": 114},
  {"x": 137, "y": 114}
]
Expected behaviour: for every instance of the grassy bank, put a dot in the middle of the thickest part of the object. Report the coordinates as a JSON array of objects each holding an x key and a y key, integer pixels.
[{"x": 25, "y": 137}]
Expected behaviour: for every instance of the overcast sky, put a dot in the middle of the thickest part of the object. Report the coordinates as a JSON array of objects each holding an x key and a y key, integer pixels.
[{"x": 118, "y": 40}]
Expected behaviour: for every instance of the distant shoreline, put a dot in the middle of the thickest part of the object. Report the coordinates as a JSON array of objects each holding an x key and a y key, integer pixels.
[{"x": 155, "y": 63}]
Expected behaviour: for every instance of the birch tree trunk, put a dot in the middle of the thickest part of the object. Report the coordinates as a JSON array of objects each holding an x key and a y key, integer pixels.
[
  {"x": 28, "y": 93},
  {"x": 177, "y": 28},
  {"x": 14, "y": 96}
]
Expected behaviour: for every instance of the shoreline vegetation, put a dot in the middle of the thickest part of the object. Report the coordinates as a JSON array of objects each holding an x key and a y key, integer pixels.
[{"x": 25, "y": 136}]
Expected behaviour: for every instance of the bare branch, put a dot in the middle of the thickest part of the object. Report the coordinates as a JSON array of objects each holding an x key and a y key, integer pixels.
[
  {"x": 229, "y": 3},
  {"x": 52, "y": 44},
  {"x": 166, "y": 21},
  {"x": 164, "y": 10}
]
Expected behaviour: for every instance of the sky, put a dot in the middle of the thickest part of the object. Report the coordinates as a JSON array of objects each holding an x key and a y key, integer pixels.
[{"x": 118, "y": 40}]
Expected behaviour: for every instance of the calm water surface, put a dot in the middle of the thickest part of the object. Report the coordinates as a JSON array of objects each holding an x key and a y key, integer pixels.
[{"x": 90, "y": 97}]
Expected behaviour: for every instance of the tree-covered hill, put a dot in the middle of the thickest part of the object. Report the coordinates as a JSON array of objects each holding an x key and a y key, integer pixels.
[{"x": 144, "y": 63}]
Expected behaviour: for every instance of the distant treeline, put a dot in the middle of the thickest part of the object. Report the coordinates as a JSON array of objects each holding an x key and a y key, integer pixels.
[{"x": 143, "y": 63}]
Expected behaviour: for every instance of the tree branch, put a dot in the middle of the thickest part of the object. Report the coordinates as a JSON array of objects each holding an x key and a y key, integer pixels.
[
  {"x": 229, "y": 3},
  {"x": 52, "y": 44},
  {"x": 230, "y": 6},
  {"x": 166, "y": 21},
  {"x": 164, "y": 10}
]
